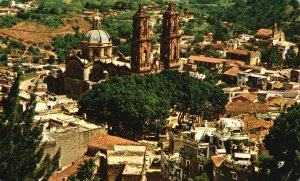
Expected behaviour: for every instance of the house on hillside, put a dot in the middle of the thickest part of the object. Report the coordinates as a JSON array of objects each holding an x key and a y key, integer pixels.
[
  {"x": 230, "y": 76},
  {"x": 245, "y": 97},
  {"x": 211, "y": 63},
  {"x": 238, "y": 167},
  {"x": 295, "y": 75},
  {"x": 264, "y": 34},
  {"x": 5, "y": 11},
  {"x": 127, "y": 163},
  {"x": 249, "y": 57}
]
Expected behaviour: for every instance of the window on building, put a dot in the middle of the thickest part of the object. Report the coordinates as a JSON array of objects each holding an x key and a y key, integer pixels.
[
  {"x": 234, "y": 176},
  {"x": 220, "y": 142},
  {"x": 96, "y": 53},
  {"x": 215, "y": 141},
  {"x": 175, "y": 53},
  {"x": 200, "y": 168},
  {"x": 145, "y": 55},
  {"x": 178, "y": 173},
  {"x": 187, "y": 163}
]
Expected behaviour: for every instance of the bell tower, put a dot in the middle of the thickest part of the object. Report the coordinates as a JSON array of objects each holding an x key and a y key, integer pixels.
[
  {"x": 170, "y": 39},
  {"x": 141, "y": 43}
]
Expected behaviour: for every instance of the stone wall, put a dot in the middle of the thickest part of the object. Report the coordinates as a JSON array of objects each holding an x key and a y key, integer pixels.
[
  {"x": 74, "y": 88},
  {"x": 55, "y": 84},
  {"x": 72, "y": 144},
  {"x": 114, "y": 172}
]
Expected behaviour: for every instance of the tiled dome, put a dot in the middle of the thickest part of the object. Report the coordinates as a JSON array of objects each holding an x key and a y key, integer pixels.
[{"x": 97, "y": 36}]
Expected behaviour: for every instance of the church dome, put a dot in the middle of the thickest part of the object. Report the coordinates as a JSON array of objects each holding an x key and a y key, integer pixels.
[{"x": 97, "y": 36}]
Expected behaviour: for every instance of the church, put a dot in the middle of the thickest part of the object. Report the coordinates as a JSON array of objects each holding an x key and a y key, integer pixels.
[{"x": 96, "y": 61}]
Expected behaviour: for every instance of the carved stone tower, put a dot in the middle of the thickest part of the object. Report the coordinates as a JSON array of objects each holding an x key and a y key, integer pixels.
[
  {"x": 141, "y": 43},
  {"x": 170, "y": 39},
  {"x": 278, "y": 33}
]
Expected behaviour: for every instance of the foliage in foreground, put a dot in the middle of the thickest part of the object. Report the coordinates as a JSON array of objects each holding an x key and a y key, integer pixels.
[
  {"x": 283, "y": 144},
  {"x": 21, "y": 153},
  {"x": 86, "y": 171}
]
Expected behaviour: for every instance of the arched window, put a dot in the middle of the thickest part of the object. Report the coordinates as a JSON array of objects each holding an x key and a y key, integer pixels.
[
  {"x": 96, "y": 53},
  {"x": 145, "y": 55},
  {"x": 175, "y": 53},
  {"x": 174, "y": 25},
  {"x": 145, "y": 27}
]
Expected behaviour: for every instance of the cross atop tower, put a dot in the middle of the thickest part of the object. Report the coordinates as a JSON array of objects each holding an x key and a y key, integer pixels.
[
  {"x": 97, "y": 20},
  {"x": 171, "y": 7},
  {"x": 141, "y": 10}
]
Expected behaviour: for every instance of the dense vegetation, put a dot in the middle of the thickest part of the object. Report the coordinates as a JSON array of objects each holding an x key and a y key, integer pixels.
[
  {"x": 134, "y": 105},
  {"x": 283, "y": 144},
  {"x": 6, "y": 21},
  {"x": 244, "y": 16},
  {"x": 119, "y": 27},
  {"x": 247, "y": 16},
  {"x": 21, "y": 154},
  {"x": 63, "y": 44},
  {"x": 12, "y": 47}
]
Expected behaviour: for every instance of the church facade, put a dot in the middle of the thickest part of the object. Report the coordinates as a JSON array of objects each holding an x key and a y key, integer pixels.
[{"x": 96, "y": 61}]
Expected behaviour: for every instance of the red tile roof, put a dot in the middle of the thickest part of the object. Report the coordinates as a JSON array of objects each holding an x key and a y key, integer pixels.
[
  {"x": 237, "y": 62},
  {"x": 206, "y": 59},
  {"x": 5, "y": 9},
  {"x": 275, "y": 101},
  {"x": 88, "y": 12},
  {"x": 252, "y": 123},
  {"x": 14, "y": 55},
  {"x": 232, "y": 72},
  {"x": 247, "y": 107},
  {"x": 218, "y": 160},
  {"x": 218, "y": 45},
  {"x": 291, "y": 91},
  {"x": 69, "y": 171},
  {"x": 264, "y": 32},
  {"x": 264, "y": 132},
  {"x": 237, "y": 51},
  {"x": 107, "y": 142},
  {"x": 62, "y": 65},
  {"x": 151, "y": 32},
  {"x": 254, "y": 67},
  {"x": 248, "y": 96}
]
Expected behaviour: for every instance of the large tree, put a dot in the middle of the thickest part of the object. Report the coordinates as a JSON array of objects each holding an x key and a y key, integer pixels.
[
  {"x": 272, "y": 57},
  {"x": 283, "y": 143},
  {"x": 133, "y": 105},
  {"x": 291, "y": 59},
  {"x": 21, "y": 153}
]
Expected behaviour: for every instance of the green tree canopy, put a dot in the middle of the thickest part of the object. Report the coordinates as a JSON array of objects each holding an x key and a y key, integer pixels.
[
  {"x": 133, "y": 105},
  {"x": 283, "y": 143},
  {"x": 291, "y": 58},
  {"x": 272, "y": 57}
]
